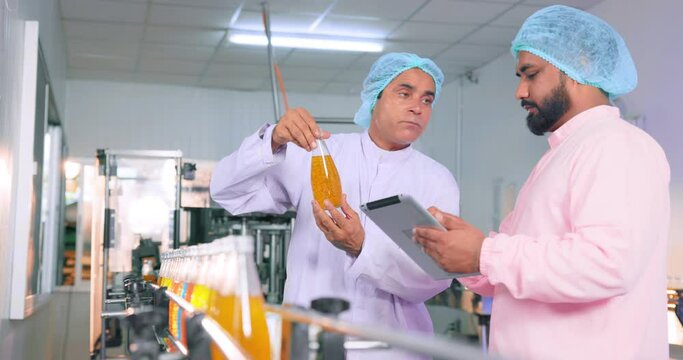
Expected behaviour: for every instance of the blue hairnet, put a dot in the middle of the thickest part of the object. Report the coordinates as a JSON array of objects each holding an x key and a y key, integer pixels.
[
  {"x": 386, "y": 69},
  {"x": 581, "y": 45}
]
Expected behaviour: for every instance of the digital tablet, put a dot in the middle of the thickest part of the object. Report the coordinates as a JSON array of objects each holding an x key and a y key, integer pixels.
[{"x": 397, "y": 216}]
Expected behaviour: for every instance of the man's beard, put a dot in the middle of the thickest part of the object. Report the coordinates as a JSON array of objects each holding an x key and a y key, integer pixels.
[{"x": 550, "y": 111}]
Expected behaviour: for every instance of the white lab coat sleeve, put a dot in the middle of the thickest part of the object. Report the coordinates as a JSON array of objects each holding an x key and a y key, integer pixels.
[
  {"x": 383, "y": 264},
  {"x": 251, "y": 178}
]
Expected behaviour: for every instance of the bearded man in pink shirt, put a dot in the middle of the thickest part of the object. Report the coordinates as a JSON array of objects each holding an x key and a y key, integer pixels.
[{"x": 577, "y": 269}]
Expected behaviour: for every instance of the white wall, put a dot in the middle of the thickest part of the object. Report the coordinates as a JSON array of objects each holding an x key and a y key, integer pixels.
[
  {"x": 203, "y": 123},
  {"x": 497, "y": 147},
  {"x": 13, "y": 14},
  {"x": 47, "y": 13},
  {"x": 652, "y": 30},
  {"x": 11, "y": 58}
]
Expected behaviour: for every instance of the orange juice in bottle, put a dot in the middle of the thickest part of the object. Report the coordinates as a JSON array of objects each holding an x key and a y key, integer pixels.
[
  {"x": 201, "y": 291},
  {"x": 175, "y": 287},
  {"x": 325, "y": 181},
  {"x": 238, "y": 304},
  {"x": 161, "y": 281}
]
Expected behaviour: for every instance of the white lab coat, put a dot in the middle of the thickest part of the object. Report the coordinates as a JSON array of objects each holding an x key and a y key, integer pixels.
[{"x": 384, "y": 286}]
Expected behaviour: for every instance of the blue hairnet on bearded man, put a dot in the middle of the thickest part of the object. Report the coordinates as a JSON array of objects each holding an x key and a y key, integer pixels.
[
  {"x": 581, "y": 45},
  {"x": 386, "y": 69}
]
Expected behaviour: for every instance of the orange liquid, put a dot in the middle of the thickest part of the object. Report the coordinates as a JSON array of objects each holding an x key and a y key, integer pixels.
[
  {"x": 227, "y": 311},
  {"x": 173, "y": 310},
  {"x": 325, "y": 181},
  {"x": 183, "y": 315},
  {"x": 150, "y": 278},
  {"x": 200, "y": 297}
]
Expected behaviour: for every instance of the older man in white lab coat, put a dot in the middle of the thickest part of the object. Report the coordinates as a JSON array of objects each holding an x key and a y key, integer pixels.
[{"x": 346, "y": 255}]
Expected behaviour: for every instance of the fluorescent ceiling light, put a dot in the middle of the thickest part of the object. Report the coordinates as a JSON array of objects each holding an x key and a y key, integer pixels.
[{"x": 307, "y": 42}]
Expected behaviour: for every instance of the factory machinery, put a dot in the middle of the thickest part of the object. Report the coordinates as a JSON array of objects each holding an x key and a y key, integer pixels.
[
  {"x": 138, "y": 222},
  {"x": 295, "y": 333}
]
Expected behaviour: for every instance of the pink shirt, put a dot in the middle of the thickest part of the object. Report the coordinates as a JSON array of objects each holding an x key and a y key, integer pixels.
[{"x": 577, "y": 270}]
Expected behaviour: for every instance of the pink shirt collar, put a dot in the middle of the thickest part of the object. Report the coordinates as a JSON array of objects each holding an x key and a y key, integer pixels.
[{"x": 578, "y": 121}]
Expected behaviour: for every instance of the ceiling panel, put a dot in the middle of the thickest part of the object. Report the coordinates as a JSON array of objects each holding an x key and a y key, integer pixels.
[
  {"x": 321, "y": 59},
  {"x": 492, "y": 35},
  {"x": 175, "y": 35},
  {"x": 183, "y": 41},
  {"x": 291, "y": 6},
  {"x": 179, "y": 52},
  {"x": 430, "y": 31},
  {"x": 353, "y": 27},
  {"x": 581, "y": 4},
  {"x": 305, "y": 73},
  {"x": 516, "y": 16},
  {"x": 279, "y": 22},
  {"x": 102, "y": 62},
  {"x": 95, "y": 47},
  {"x": 381, "y": 9},
  {"x": 85, "y": 74},
  {"x": 424, "y": 49},
  {"x": 91, "y": 30},
  {"x": 179, "y": 67},
  {"x": 104, "y": 10},
  {"x": 248, "y": 54},
  {"x": 460, "y": 12},
  {"x": 229, "y": 4},
  {"x": 239, "y": 70},
  {"x": 190, "y": 16}
]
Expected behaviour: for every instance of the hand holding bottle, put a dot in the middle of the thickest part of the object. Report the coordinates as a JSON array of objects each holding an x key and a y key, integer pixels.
[
  {"x": 342, "y": 228},
  {"x": 297, "y": 126}
]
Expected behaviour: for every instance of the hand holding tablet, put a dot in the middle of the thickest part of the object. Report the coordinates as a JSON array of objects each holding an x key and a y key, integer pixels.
[{"x": 397, "y": 216}]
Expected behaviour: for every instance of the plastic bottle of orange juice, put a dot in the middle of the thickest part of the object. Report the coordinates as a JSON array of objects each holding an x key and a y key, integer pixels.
[
  {"x": 325, "y": 181},
  {"x": 175, "y": 287},
  {"x": 202, "y": 292},
  {"x": 162, "y": 269},
  {"x": 238, "y": 303},
  {"x": 188, "y": 280}
]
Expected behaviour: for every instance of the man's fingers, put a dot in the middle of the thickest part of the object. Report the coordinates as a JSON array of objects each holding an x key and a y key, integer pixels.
[
  {"x": 338, "y": 217},
  {"x": 424, "y": 235},
  {"x": 346, "y": 208},
  {"x": 449, "y": 221},
  {"x": 300, "y": 137},
  {"x": 320, "y": 216},
  {"x": 327, "y": 221},
  {"x": 309, "y": 121}
]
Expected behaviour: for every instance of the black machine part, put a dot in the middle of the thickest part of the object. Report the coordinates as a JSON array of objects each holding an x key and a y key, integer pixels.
[
  {"x": 146, "y": 249},
  {"x": 331, "y": 344}
]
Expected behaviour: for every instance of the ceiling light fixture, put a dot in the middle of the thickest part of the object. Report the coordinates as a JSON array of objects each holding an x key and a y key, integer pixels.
[{"x": 319, "y": 43}]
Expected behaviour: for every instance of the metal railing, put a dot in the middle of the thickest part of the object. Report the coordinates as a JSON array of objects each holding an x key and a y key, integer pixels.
[{"x": 376, "y": 337}]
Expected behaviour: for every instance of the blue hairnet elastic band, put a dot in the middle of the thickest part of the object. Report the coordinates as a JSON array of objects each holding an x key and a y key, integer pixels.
[
  {"x": 412, "y": 65},
  {"x": 569, "y": 72}
]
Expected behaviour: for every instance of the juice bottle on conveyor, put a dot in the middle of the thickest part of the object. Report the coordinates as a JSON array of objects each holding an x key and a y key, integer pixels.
[
  {"x": 202, "y": 292},
  {"x": 162, "y": 269},
  {"x": 176, "y": 286},
  {"x": 238, "y": 304},
  {"x": 325, "y": 181},
  {"x": 185, "y": 290}
]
